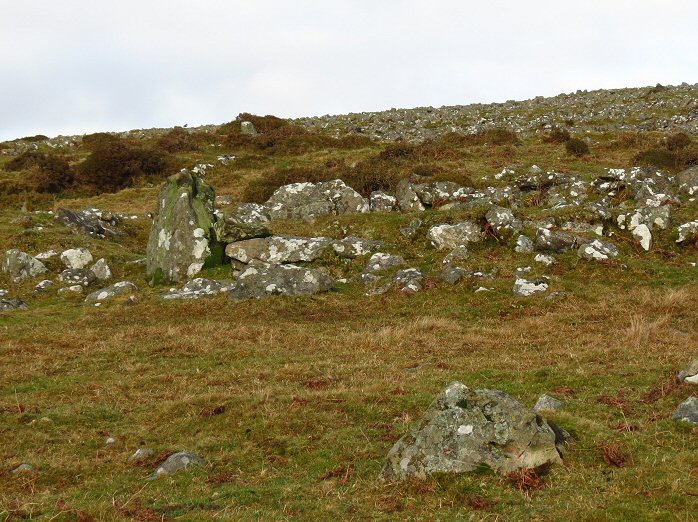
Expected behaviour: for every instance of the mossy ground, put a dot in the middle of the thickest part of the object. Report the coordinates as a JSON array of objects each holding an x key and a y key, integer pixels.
[{"x": 295, "y": 402}]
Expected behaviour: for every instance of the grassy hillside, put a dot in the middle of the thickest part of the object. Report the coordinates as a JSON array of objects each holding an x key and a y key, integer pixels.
[{"x": 294, "y": 402}]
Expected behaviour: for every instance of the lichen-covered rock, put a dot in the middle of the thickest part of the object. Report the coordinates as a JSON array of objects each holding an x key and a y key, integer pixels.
[
  {"x": 687, "y": 181},
  {"x": 351, "y": 247},
  {"x": 262, "y": 279},
  {"x": 380, "y": 201},
  {"x": 503, "y": 222},
  {"x": 91, "y": 222},
  {"x": 657, "y": 217},
  {"x": 687, "y": 411},
  {"x": 310, "y": 200},
  {"x": 690, "y": 373},
  {"x": 76, "y": 257},
  {"x": 381, "y": 261},
  {"x": 111, "y": 291},
  {"x": 71, "y": 290},
  {"x": 182, "y": 240},
  {"x": 20, "y": 265},
  {"x": 101, "y": 270},
  {"x": 178, "y": 462},
  {"x": 465, "y": 429},
  {"x": 248, "y": 128},
  {"x": 279, "y": 249},
  {"x": 77, "y": 276},
  {"x": 412, "y": 227},
  {"x": 547, "y": 403},
  {"x": 440, "y": 192},
  {"x": 598, "y": 250},
  {"x": 554, "y": 241},
  {"x": 7, "y": 305},
  {"x": 687, "y": 231},
  {"x": 525, "y": 288},
  {"x": 642, "y": 234},
  {"x": 409, "y": 280},
  {"x": 248, "y": 221},
  {"x": 523, "y": 245},
  {"x": 44, "y": 285},
  {"x": 454, "y": 236},
  {"x": 200, "y": 287},
  {"x": 407, "y": 198},
  {"x": 544, "y": 259}
]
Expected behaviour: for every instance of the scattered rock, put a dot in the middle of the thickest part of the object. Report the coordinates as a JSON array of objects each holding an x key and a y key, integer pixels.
[
  {"x": 544, "y": 259},
  {"x": 548, "y": 403},
  {"x": 76, "y": 258},
  {"x": 247, "y": 222},
  {"x": 44, "y": 285},
  {"x": 380, "y": 201},
  {"x": 598, "y": 250},
  {"x": 68, "y": 290},
  {"x": 454, "y": 236},
  {"x": 310, "y": 200},
  {"x": 198, "y": 288},
  {"x": 688, "y": 231},
  {"x": 46, "y": 255},
  {"x": 381, "y": 261},
  {"x": 409, "y": 280},
  {"x": 141, "y": 454},
  {"x": 20, "y": 265},
  {"x": 178, "y": 462},
  {"x": 687, "y": 411},
  {"x": 407, "y": 198},
  {"x": 642, "y": 234},
  {"x": 554, "y": 241},
  {"x": 101, "y": 270},
  {"x": 181, "y": 238},
  {"x": 91, "y": 222},
  {"x": 466, "y": 429},
  {"x": 690, "y": 373},
  {"x": 352, "y": 247},
  {"x": 279, "y": 249},
  {"x": 7, "y": 305},
  {"x": 80, "y": 276},
  {"x": 112, "y": 291},
  {"x": 523, "y": 245},
  {"x": 261, "y": 279},
  {"x": 248, "y": 128},
  {"x": 503, "y": 222},
  {"x": 23, "y": 468},
  {"x": 412, "y": 227},
  {"x": 525, "y": 288}
]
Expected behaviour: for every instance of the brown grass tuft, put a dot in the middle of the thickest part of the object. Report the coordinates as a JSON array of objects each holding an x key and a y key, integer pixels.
[{"x": 614, "y": 454}]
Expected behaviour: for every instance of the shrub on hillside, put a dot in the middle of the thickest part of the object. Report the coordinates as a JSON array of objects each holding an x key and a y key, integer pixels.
[
  {"x": 180, "y": 140},
  {"x": 557, "y": 135},
  {"x": 659, "y": 158},
  {"x": 576, "y": 147},
  {"x": 677, "y": 141},
  {"x": 116, "y": 165},
  {"x": 99, "y": 140}
]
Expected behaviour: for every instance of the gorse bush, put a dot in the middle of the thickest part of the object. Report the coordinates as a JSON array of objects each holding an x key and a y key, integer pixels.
[
  {"x": 677, "y": 141},
  {"x": 557, "y": 135},
  {"x": 660, "y": 158},
  {"x": 576, "y": 147},
  {"x": 46, "y": 172},
  {"x": 116, "y": 165},
  {"x": 99, "y": 140}
]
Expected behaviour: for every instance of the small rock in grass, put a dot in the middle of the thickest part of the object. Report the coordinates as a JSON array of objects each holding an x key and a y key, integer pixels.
[
  {"x": 547, "y": 403},
  {"x": 23, "y": 468},
  {"x": 687, "y": 411},
  {"x": 76, "y": 257},
  {"x": 141, "y": 454},
  {"x": 690, "y": 373},
  {"x": 525, "y": 288},
  {"x": 177, "y": 462}
]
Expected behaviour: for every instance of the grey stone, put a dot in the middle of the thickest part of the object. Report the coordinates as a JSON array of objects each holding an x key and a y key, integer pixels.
[
  {"x": 453, "y": 274},
  {"x": 90, "y": 222},
  {"x": 598, "y": 250},
  {"x": 7, "y": 305},
  {"x": 181, "y": 238},
  {"x": 261, "y": 279},
  {"x": 687, "y": 231},
  {"x": 523, "y": 245},
  {"x": 200, "y": 287},
  {"x": 101, "y": 270},
  {"x": 76, "y": 257},
  {"x": 381, "y": 261},
  {"x": 643, "y": 234},
  {"x": 548, "y": 403},
  {"x": 409, "y": 280},
  {"x": 465, "y": 429},
  {"x": 503, "y": 222},
  {"x": 656, "y": 217},
  {"x": 71, "y": 290},
  {"x": 248, "y": 221},
  {"x": 351, "y": 247},
  {"x": 690, "y": 373},
  {"x": 248, "y": 128},
  {"x": 440, "y": 192},
  {"x": 20, "y": 265},
  {"x": 23, "y": 468},
  {"x": 141, "y": 454},
  {"x": 687, "y": 181},
  {"x": 525, "y": 287},
  {"x": 380, "y": 201},
  {"x": 44, "y": 285},
  {"x": 111, "y": 291},
  {"x": 183, "y": 460},
  {"x": 407, "y": 198},
  {"x": 544, "y": 259},
  {"x": 279, "y": 249},
  {"x": 554, "y": 241},
  {"x": 411, "y": 229},
  {"x": 310, "y": 200},
  {"x": 687, "y": 411},
  {"x": 80, "y": 276},
  {"x": 453, "y": 236},
  {"x": 459, "y": 253}
]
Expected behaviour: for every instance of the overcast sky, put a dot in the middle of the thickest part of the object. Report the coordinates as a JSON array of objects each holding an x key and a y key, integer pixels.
[{"x": 77, "y": 66}]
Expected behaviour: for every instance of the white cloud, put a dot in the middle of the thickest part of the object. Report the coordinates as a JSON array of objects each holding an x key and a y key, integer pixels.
[{"x": 81, "y": 66}]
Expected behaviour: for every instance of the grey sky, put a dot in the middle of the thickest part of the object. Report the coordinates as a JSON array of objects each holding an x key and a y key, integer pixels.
[{"x": 76, "y": 66}]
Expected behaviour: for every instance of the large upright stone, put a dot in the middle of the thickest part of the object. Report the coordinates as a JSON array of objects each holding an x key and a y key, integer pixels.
[
  {"x": 20, "y": 265},
  {"x": 182, "y": 240}
]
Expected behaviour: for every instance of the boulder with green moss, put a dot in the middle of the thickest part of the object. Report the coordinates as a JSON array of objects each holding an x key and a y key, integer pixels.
[{"x": 182, "y": 240}]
